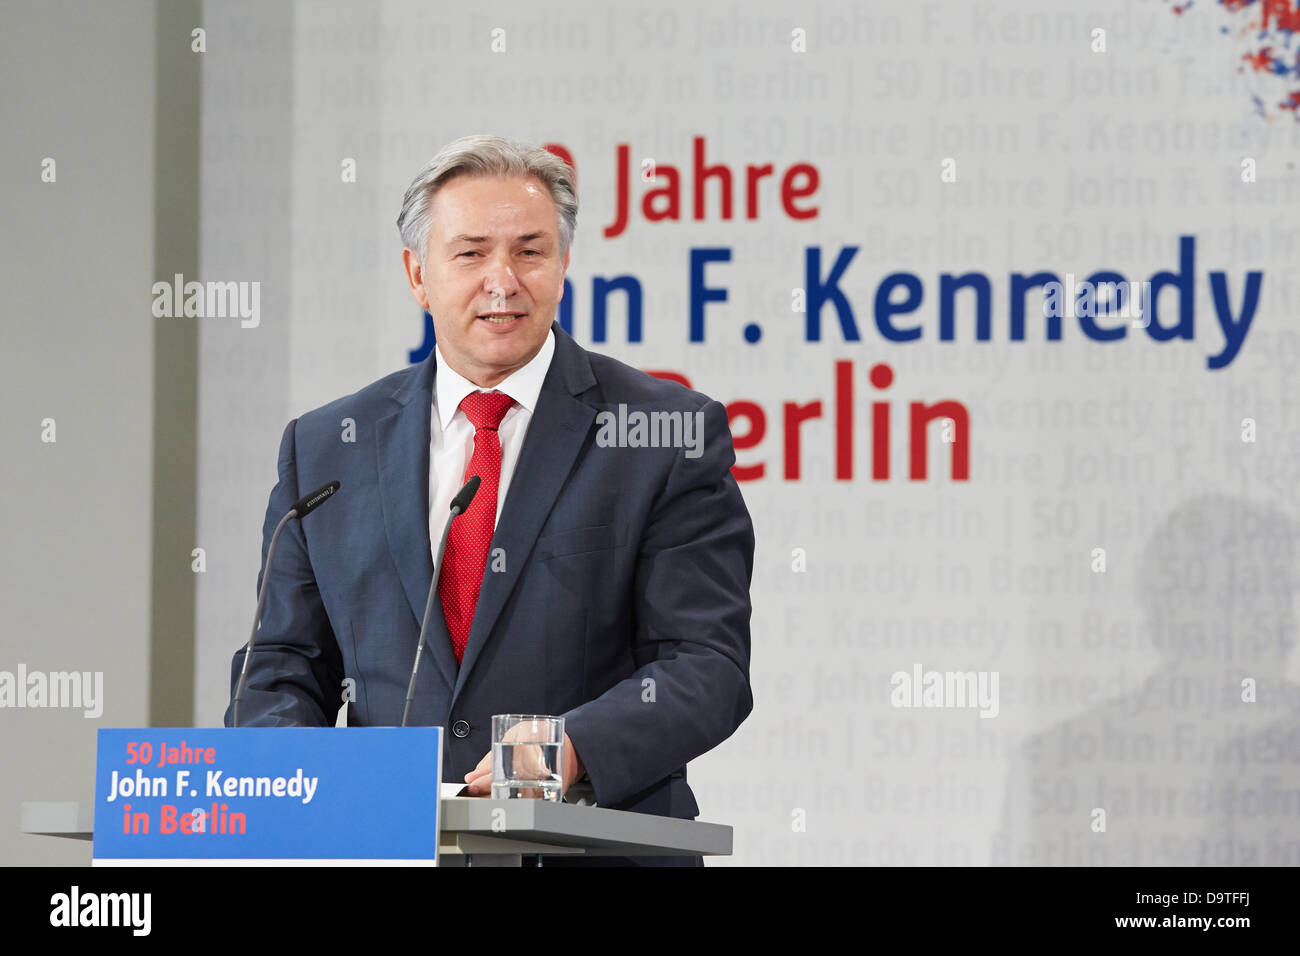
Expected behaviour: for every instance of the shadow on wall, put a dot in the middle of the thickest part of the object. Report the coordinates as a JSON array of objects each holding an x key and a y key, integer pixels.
[{"x": 1201, "y": 765}]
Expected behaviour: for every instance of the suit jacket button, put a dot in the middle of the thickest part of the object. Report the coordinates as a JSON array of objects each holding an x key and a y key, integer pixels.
[{"x": 460, "y": 728}]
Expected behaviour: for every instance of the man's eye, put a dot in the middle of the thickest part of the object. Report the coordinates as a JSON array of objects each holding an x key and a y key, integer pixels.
[
  {"x": 532, "y": 252},
  {"x": 470, "y": 253}
]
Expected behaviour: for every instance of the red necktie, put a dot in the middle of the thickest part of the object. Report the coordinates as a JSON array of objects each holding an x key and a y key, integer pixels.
[{"x": 471, "y": 533}]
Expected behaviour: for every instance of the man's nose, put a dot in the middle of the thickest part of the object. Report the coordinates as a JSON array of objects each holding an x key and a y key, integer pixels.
[{"x": 499, "y": 279}]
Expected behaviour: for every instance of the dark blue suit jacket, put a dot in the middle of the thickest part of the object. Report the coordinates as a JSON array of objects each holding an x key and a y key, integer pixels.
[{"x": 624, "y": 603}]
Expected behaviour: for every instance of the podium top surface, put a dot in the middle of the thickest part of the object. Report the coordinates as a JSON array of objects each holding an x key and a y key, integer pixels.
[{"x": 507, "y": 823}]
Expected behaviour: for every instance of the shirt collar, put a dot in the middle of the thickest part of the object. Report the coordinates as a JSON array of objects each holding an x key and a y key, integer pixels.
[{"x": 523, "y": 385}]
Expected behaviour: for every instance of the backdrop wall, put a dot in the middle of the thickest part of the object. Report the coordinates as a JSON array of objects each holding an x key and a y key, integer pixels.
[{"x": 1094, "y": 529}]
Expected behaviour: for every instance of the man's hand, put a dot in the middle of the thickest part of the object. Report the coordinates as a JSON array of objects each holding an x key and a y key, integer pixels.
[{"x": 479, "y": 780}]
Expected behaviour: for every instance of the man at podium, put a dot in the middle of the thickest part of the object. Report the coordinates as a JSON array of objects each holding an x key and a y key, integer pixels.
[{"x": 602, "y": 570}]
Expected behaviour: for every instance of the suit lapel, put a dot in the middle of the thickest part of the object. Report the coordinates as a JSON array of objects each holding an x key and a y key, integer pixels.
[
  {"x": 402, "y": 444},
  {"x": 556, "y": 434}
]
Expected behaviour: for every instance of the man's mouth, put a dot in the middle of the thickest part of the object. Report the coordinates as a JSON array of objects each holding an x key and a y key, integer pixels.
[{"x": 501, "y": 318}]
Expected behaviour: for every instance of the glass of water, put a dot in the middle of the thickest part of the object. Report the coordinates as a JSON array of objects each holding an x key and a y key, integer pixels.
[{"x": 527, "y": 756}]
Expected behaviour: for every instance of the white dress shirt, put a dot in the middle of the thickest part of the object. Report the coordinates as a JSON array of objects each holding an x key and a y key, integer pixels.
[{"x": 451, "y": 435}]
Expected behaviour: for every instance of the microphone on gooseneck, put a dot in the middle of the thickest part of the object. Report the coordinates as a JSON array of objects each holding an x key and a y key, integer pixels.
[
  {"x": 458, "y": 506},
  {"x": 301, "y": 509}
]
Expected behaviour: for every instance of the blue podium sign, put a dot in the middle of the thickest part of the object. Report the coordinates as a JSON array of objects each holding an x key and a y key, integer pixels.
[{"x": 305, "y": 794}]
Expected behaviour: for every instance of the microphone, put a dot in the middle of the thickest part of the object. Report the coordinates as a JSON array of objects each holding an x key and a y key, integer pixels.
[
  {"x": 301, "y": 508},
  {"x": 313, "y": 500},
  {"x": 458, "y": 506}
]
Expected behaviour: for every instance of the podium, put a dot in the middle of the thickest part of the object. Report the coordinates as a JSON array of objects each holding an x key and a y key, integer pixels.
[{"x": 471, "y": 832}]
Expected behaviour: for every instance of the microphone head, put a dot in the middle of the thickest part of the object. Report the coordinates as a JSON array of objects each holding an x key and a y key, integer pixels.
[
  {"x": 313, "y": 500},
  {"x": 465, "y": 495}
]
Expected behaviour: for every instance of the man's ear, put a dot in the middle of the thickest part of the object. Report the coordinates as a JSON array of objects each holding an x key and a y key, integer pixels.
[{"x": 415, "y": 277}]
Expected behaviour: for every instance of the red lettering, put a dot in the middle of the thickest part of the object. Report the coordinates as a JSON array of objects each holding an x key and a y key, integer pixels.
[
  {"x": 844, "y": 421},
  {"x": 752, "y": 175},
  {"x": 922, "y": 415},
  {"x": 664, "y": 200},
  {"x": 795, "y": 416},
  {"x": 790, "y": 192},
  {"x": 882, "y": 376},
  {"x": 747, "y": 420},
  {"x": 672, "y": 191},
  {"x": 753, "y": 412},
  {"x": 703, "y": 172}
]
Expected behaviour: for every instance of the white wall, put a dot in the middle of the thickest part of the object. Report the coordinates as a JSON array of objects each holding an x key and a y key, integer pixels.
[
  {"x": 1067, "y": 160},
  {"x": 76, "y": 345}
]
